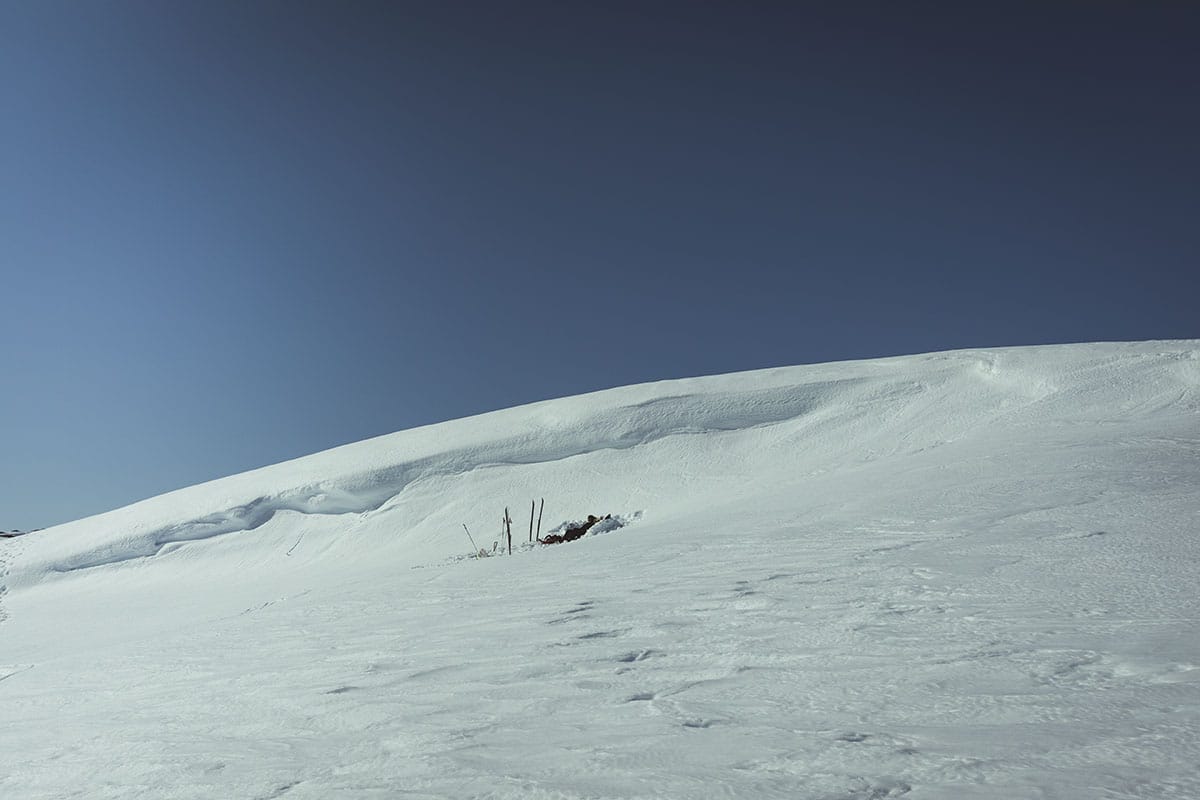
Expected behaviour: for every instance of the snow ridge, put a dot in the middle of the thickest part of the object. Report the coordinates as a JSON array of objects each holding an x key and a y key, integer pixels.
[
  {"x": 619, "y": 428},
  {"x": 872, "y": 407},
  {"x": 963, "y": 574}
]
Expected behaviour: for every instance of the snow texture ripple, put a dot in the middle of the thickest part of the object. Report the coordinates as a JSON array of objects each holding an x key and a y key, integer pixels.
[{"x": 958, "y": 575}]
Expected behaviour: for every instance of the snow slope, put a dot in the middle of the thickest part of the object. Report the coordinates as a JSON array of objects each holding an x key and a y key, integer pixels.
[{"x": 958, "y": 575}]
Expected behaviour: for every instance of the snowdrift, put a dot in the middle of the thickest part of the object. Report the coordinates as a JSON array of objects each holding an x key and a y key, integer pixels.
[
  {"x": 965, "y": 574},
  {"x": 835, "y": 414}
]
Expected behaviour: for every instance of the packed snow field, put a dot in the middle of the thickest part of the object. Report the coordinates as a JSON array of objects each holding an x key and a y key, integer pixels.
[{"x": 958, "y": 575}]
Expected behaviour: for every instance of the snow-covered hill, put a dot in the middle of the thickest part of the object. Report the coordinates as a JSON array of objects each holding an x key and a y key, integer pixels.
[{"x": 958, "y": 575}]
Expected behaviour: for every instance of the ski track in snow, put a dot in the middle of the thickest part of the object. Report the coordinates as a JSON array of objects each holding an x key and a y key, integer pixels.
[{"x": 988, "y": 594}]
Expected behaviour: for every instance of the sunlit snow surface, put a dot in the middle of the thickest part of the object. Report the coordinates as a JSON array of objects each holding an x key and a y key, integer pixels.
[{"x": 959, "y": 575}]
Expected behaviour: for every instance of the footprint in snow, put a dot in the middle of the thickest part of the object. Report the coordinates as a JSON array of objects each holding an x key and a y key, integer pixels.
[
  {"x": 578, "y": 612},
  {"x": 280, "y": 791},
  {"x": 601, "y": 635},
  {"x": 639, "y": 655},
  {"x": 698, "y": 723},
  {"x": 878, "y": 790}
]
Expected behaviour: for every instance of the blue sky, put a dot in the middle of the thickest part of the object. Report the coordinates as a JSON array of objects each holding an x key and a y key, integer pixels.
[{"x": 232, "y": 233}]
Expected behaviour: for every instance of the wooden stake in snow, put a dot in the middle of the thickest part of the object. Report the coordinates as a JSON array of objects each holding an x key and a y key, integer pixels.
[{"x": 540, "y": 510}]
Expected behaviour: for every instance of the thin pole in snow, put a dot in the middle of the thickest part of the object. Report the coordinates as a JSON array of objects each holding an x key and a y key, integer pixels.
[
  {"x": 532, "y": 506},
  {"x": 540, "y": 510},
  {"x": 508, "y": 529}
]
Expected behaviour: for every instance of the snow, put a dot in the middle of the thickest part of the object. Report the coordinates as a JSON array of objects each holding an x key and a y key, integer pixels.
[{"x": 956, "y": 575}]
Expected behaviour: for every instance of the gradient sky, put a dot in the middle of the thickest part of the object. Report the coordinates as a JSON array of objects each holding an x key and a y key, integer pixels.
[{"x": 236, "y": 233}]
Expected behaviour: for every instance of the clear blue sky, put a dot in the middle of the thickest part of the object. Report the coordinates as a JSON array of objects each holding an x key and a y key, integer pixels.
[{"x": 234, "y": 233}]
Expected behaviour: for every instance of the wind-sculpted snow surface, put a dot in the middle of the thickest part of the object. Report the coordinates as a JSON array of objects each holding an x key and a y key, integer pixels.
[
  {"x": 338, "y": 485},
  {"x": 964, "y": 574},
  {"x": 857, "y": 399}
]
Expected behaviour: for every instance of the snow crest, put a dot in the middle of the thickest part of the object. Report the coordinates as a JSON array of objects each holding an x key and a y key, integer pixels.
[
  {"x": 965, "y": 574},
  {"x": 873, "y": 408}
]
